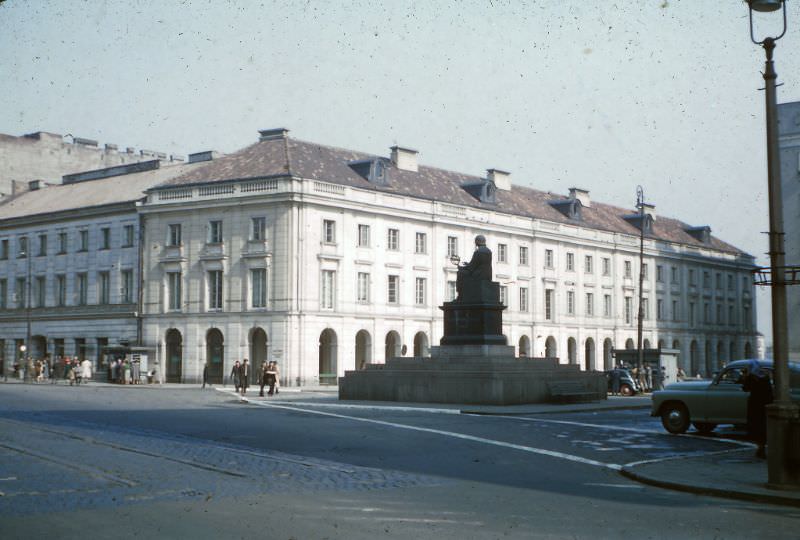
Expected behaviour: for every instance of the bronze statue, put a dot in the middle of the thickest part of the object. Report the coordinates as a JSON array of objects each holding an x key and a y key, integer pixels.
[{"x": 479, "y": 268}]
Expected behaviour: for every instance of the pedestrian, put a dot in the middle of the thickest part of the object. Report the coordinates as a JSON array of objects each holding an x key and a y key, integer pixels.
[
  {"x": 648, "y": 377},
  {"x": 681, "y": 375},
  {"x": 127, "y": 369},
  {"x": 205, "y": 374},
  {"x": 235, "y": 375},
  {"x": 135, "y": 371},
  {"x": 756, "y": 381},
  {"x": 615, "y": 380},
  {"x": 244, "y": 374},
  {"x": 86, "y": 370},
  {"x": 276, "y": 379},
  {"x": 69, "y": 372},
  {"x": 263, "y": 377},
  {"x": 45, "y": 370}
]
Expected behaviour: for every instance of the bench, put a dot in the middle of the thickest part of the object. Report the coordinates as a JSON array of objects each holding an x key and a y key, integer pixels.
[{"x": 569, "y": 392}]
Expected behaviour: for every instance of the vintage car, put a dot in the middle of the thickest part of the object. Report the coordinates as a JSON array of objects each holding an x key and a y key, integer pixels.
[
  {"x": 708, "y": 403},
  {"x": 627, "y": 385}
]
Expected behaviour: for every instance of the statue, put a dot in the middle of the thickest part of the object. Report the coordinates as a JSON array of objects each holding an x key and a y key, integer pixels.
[{"x": 478, "y": 269}]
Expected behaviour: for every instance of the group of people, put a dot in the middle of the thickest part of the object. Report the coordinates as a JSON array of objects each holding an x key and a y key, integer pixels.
[
  {"x": 124, "y": 371},
  {"x": 268, "y": 376},
  {"x": 68, "y": 368}
]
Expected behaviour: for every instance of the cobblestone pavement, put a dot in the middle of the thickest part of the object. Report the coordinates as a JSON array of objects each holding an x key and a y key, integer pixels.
[{"x": 86, "y": 465}]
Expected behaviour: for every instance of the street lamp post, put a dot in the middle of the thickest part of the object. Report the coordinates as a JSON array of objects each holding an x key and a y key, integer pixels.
[
  {"x": 640, "y": 315},
  {"x": 27, "y": 307},
  {"x": 783, "y": 415}
]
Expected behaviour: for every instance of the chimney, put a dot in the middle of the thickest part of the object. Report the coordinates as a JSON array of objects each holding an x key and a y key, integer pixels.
[
  {"x": 208, "y": 155},
  {"x": 501, "y": 179},
  {"x": 581, "y": 195},
  {"x": 272, "y": 134},
  {"x": 404, "y": 159}
]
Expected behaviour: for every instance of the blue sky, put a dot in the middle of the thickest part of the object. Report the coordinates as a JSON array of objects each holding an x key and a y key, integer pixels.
[{"x": 602, "y": 95}]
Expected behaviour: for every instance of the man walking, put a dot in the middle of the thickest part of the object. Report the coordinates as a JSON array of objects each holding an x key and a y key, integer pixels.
[{"x": 244, "y": 373}]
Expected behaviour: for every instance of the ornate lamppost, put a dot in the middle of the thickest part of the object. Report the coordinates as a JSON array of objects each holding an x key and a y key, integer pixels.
[
  {"x": 783, "y": 415},
  {"x": 640, "y": 317}
]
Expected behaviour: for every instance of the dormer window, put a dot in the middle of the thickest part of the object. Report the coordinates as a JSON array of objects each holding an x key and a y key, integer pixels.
[
  {"x": 701, "y": 234},
  {"x": 571, "y": 208},
  {"x": 640, "y": 221},
  {"x": 371, "y": 170},
  {"x": 483, "y": 190}
]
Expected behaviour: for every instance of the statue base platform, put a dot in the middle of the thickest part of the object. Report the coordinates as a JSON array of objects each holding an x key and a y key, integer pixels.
[{"x": 474, "y": 374}]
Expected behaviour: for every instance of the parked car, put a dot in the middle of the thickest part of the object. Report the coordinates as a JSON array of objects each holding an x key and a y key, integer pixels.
[
  {"x": 708, "y": 403},
  {"x": 627, "y": 385}
]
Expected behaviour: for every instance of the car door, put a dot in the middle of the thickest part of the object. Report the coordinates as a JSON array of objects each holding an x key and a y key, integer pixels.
[{"x": 725, "y": 401}]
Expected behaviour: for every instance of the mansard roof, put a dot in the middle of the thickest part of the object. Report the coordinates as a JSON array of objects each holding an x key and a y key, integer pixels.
[{"x": 284, "y": 156}]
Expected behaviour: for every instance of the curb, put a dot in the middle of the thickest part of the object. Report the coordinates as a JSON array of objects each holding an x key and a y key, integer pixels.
[
  {"x": 728, "y": 493},
  {"x": 572, "y": 410}
]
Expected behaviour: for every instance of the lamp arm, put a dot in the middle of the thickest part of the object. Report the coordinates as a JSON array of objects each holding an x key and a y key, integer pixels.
[{"x": 752, "y": 37}]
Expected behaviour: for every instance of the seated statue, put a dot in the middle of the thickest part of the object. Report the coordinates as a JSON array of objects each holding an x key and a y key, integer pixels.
[{"x": 478, "y": 269}]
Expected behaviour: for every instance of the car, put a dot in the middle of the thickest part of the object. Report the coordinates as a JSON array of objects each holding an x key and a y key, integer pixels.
[
  {"x": 627, "y": 384},
  {"x": 709, "y": 403}
]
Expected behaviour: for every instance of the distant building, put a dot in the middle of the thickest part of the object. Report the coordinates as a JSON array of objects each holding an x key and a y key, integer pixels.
[
  {"x": 789, "y": 135},
  {"x": 46, "y": 157}
]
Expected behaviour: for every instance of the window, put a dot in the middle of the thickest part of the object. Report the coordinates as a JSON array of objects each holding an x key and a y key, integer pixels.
[
  {"x": 645, "y": 308},
  {"x": 363, "y": 288},
  {"x": 174, "y": 291},
  {"x": 502, "y": 253},
  {"x": 328, "y": 289},
  {"x": 628, "y": 310},
  {"x": 42, "y": 245},
  {"x": 23, "y": 247},
  {"x": 731, "y": 315},
  {"x": 3, "y": 293},
  {"x": 127, "y": 236},
  {"x": 328, "y": 231},
  {"x": 607, "y": 305},
  {"x": 19, "y": 293},
  {"x": 660, "y": 309},
  {"x": 718, "y": 280},
  {"x": 83, "y": 239},
  {"x": 692, "y": 278},
  {"x": 451, "y": 291},
  {"x": 363, "y": 236},
  {"x": 730, "y": 282},
  {"x": 548, "y": 258},
  {"x": 691, "y": 314},
  {"x": 39, "y": 291},
  {"x": 745, "y": 283},
  {"x": 644, "y": 270},
  {"x": 706, "y": 279},
  {"x": 103, "y": 287},
  {"x": 523, "y": 299},
  {"x": 421, "y": 243},
  {"x": 590, "y": 304},
  {"x": 61, "y": 290},
  {"x": 660, "y": 273},
  {"x": 215, "y": 232},
  {"x": 4, "y": 249},
  {"x": 548, "y": 304},
  {"x": 105, "y": 238},
  {"x": 523, "y": 256},
  {"x": 588, "y": 264},
  {"x": 215, "y": 289},
  {"x": 62, "y": 243},
  {"x": 570, "y": 302},
  {"x": 392, "y": 289},
  {"x": 606, "y": 266},
  {"x": 504, "y": 295},
  {"x": 421, "y": 295},
  {"x": 675, "y": 311},
  {"x": 393, "y": 239},
  {"x": 258, "y": 287},
  {"x": 452, "y": 246},
  {"x": 746, "y": 316},
  {"x": 83, "y": 289},
  {"x": 706, "y": 313},
  {"x": 258, "y": 229},
  {"x": 674, "y": 274},
  {"x": 628, "y": 269},
  {"x": 720, "y": 320},
  {"x": 126, "y": 288},
  {"x": 570, "y": 262},
  {"x": 174, "y": 236}
]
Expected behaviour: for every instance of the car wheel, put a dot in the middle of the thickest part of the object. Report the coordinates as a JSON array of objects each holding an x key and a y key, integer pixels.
[
  {"x": 704, "y": 427},
  {"x": 626, "y": 390},
  {"x": 675, "y": 418}
]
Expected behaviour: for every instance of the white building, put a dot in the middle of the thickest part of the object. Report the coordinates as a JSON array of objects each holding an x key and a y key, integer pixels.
[
  {"x": 326, "y": 259},
  {"x": 70, "y": 262}
]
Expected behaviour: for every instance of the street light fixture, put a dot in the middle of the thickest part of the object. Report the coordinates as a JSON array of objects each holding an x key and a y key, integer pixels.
[
  {"x": 640, "y": 314},
  {"x": 27, "y": 347},
  {"x": 784, "y": 416}
]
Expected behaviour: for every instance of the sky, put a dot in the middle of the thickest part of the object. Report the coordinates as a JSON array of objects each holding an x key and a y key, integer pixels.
[{"x": 602, "y": 95}]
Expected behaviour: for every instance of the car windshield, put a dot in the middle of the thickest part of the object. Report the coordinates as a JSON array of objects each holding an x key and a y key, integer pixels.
[{"x": 730, "y": 376}]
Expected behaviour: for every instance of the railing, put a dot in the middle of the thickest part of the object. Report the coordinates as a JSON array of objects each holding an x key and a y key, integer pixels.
[
  {"x": 332, "y": 189},
  {"x": 206, "y": 191},
  {"x": 258, "y": 185}
]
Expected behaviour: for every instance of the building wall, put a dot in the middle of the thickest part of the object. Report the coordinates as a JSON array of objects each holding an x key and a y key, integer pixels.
[
  {"x": 49, "y": 156},
  {"x": 789, "y": 134},
  {"x": 296, "y": 255}
]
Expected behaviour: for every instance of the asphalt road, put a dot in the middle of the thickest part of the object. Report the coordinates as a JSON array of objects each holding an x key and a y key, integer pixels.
[{"x": 103, "y": 462}]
